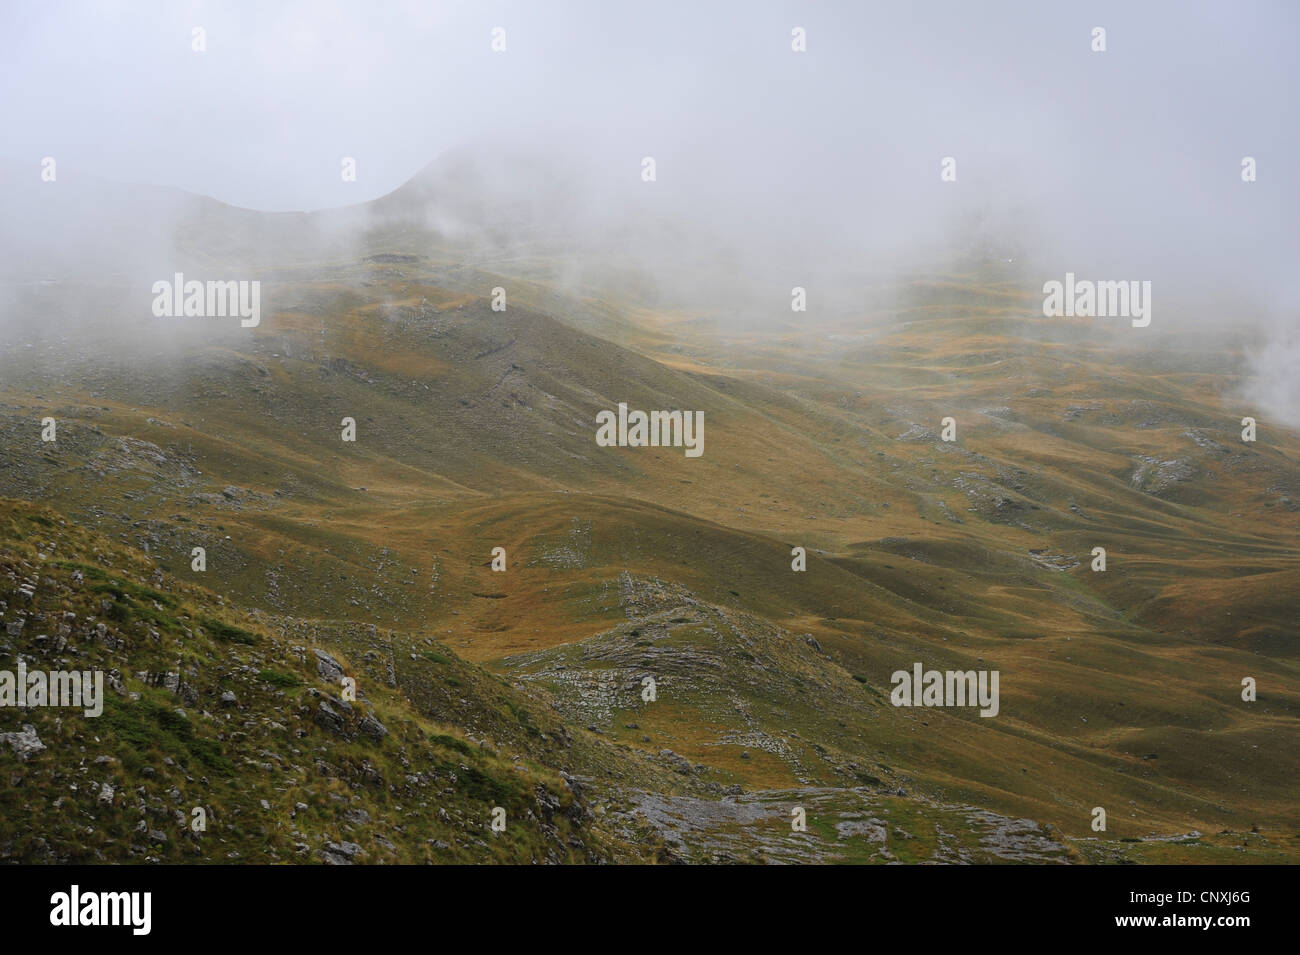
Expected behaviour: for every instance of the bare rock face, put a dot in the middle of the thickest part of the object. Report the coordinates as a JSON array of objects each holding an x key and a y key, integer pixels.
[
  {"x": 328, "y": 718},
  {"x": 373, "y": 728},
  {"x": 330, "y": 670},
  {"x": 341, "y": 853},
  {"x": 24, "y": 743}
]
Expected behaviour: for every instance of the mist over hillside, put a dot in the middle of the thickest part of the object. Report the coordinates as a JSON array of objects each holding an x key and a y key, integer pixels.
[{"x": 515, "y": 210}]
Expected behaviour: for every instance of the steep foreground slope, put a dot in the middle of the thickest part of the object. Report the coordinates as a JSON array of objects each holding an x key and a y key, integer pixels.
[
  {"x": 225, "y": 737},
  {"x": 204, "y": 709}
]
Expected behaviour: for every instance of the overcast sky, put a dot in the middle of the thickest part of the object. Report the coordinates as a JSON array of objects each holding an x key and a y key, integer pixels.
[{"x": 1130, "y": 158}]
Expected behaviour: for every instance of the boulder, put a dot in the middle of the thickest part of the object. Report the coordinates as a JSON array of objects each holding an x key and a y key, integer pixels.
[
  {"x": 330, "y": 670},
  {"x": 25, "y": 743}
]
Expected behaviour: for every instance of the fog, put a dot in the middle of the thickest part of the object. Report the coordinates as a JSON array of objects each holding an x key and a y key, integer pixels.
[{"x": 773, "y": 168}]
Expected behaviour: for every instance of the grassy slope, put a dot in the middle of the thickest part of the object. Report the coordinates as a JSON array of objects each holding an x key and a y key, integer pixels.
[
  {"x": 475, "y": 431},
  {"x": 276, "y": 783}
]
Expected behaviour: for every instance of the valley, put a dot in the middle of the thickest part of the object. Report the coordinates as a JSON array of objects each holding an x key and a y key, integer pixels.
[{"x": 477, "y": 429}]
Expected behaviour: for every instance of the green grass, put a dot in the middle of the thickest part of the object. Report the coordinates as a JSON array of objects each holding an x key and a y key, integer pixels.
[
  {"x": 228, "y": 633},
  {"x": 280, "y": 678}
]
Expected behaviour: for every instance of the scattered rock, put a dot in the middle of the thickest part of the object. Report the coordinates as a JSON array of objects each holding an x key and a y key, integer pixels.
[{"x": 341, "y": 853}]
